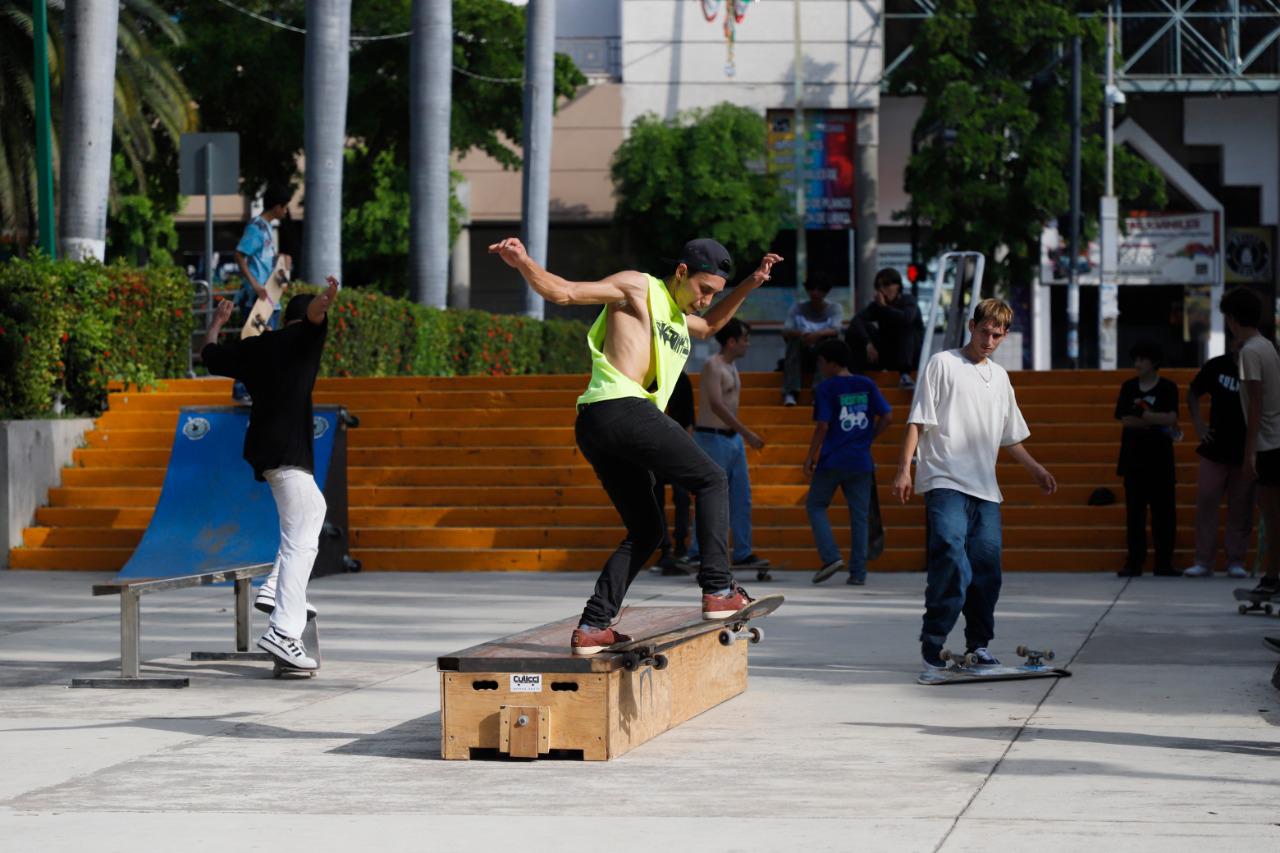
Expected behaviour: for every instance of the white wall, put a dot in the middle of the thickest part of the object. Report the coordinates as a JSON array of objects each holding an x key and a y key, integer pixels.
[
  {"x": 588, "y": 18},
  {"x": 1247, "y": 128},
  {"x": 674, "y": 59}
]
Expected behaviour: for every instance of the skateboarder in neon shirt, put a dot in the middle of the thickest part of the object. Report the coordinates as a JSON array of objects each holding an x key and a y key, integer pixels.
[
  {"x": 279, "y": 368},
  {"x": 964, "y": 411},
  {"x": 639, "y": 345}
]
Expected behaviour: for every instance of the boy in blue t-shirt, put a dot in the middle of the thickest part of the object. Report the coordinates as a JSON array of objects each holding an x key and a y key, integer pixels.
[{"x": 848, "y": 413}]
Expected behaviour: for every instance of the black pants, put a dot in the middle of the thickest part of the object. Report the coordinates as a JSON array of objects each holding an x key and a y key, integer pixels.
[
  {"x": 1153, "y": 489},
  {"x": 628, "y": 441},
  {"x": 897, "y": 351},
  {"x": 679, "y": 497}
]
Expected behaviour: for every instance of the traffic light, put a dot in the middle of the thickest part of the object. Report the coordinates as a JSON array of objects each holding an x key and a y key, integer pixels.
[{"x": 914, "y": 272}]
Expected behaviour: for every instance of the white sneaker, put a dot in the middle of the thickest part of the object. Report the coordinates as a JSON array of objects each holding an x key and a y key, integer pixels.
[
  {"x": 1198, "y": 571},
  {"x": 982, "y": 657},
  {"x": 1237, "y": 572},
  {"x": 788, "y": 399},
  {"x": 265, "y": 601},
  {"x": 287, "y": 650}
]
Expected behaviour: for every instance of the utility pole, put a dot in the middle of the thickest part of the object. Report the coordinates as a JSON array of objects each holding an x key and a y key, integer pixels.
[
  {"x": 1073, "y": 279},
  {"x": 539, "y": 95},
  {"x": 431, "y": 97},
  {"x": 801, "y": 154},
  {"x": 1108, "y": 292},
  {"x": 44, "y": 129}
]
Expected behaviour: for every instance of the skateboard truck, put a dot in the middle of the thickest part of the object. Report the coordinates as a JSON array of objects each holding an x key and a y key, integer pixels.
[
  {"x": 636, "y": 658},
  {"x": 730, "y": 635},
  {"x": 1034, "y": 657},
  {"x": 966, "y": 660}
]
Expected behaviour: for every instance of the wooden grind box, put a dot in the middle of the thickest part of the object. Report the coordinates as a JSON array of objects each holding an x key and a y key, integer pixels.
[{"x": 526, "y": 695}]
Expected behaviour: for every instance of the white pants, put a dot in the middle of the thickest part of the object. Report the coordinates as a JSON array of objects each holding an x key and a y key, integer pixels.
[{"x": 301, "y": 508}]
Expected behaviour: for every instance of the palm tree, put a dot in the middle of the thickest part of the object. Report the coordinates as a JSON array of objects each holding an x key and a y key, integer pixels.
[
  {"x": 324, "y": 96},
  {"x": 151, "y": 102},
  {"x": 431, "y": 79}
]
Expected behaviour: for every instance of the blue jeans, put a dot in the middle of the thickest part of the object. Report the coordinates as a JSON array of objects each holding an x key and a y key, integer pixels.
[
  {"x": 856, "y": 486},
  {"x": 964, "y": 567},
  {"x": 731, "y": 455}
]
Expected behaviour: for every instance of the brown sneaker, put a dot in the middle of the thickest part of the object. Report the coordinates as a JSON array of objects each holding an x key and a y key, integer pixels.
[
  {"x": 596, "y": 640},
  {"x": 724, "y": 606}
]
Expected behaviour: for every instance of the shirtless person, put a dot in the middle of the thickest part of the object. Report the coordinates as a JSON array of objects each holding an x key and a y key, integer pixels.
[
  {"x": 721, "y": 435},
  {"x": 639, "y": 345}
]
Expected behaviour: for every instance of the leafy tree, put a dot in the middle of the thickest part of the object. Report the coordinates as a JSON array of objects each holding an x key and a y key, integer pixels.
[
  {"x": 697, "y": 175},
  {"x": 992, "y": 164},
  {"x": 152, "y": 105}
]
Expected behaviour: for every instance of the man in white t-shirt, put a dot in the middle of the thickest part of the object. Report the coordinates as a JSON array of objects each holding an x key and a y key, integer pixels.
[
  {"x": 964, "y": 411},
  {"x": 1260, "y": 398}
]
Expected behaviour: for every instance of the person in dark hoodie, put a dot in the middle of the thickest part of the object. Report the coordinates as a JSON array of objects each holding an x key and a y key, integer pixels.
[
  {"x": 886, "y": 335},
  {"x": 279, "y": 368}
]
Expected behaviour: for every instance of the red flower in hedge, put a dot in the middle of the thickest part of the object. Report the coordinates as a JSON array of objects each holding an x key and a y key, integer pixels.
[{"x": 65, "y": 337}]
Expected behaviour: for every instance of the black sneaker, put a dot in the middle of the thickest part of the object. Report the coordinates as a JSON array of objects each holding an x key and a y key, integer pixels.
[
  {"x": 1129, "y": 572},
  {"x": 687, "y": 565},
  {"x": 1267, "y": 586},
  {"x": 932, "y": 656},
  {"x": 827, "y": 571},
  {"x": 752, "y": 562},
  {"x": 852, "y": 581},
  {"x": 1272, "y": 643},
  {"x": 669, "y": 567},
  {"x": 982, "y": 657}
]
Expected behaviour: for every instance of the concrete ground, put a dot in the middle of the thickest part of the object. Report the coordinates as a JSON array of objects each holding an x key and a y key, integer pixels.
[{"x": 1167, "y": 737}]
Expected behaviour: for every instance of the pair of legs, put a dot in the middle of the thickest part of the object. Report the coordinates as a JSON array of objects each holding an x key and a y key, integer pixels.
[
  {"x": 670, "y": 547},
  {"x": 799, "y": 358},
  {"x": 894, "y": 352},
  {"x": 1154, "y": 489},
  {"x": 856, "y": 486},
  {"x": 1217, "y": 480},
  {"x": 628, "y": 441},
  {"x": 730, "y": 454},
  {"x": 964, "y": 567},
  {"x": 301, "y": 507}
]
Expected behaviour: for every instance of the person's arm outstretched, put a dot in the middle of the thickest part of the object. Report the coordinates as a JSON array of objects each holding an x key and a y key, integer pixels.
[
  {"x": 319, "y": 306},
  {"x": 628, "y": 286}
]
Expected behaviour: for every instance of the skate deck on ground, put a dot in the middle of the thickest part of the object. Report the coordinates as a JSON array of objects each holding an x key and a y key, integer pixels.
[
  {"x": 526, "y": 695},
  {"x": 957, "y": 675}
]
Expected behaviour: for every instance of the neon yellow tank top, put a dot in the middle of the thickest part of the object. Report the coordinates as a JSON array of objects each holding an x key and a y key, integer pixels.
[{"x": 670, "y": 351}]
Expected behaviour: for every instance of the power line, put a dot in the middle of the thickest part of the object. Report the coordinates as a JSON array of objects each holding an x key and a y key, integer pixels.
[{"x": 387, "y": 37}]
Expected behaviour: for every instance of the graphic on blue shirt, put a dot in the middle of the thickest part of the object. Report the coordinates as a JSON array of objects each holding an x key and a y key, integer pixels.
[
  {"x": 258, "y": 245},
  {"x": 849, "y": 406}
]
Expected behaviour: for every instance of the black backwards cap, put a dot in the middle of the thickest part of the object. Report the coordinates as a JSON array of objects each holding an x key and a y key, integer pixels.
[{"x": 707, "y": 255}]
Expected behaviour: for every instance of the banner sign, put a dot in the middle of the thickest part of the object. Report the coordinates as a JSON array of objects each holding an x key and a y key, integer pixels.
[
  {"x": 828, "y": 164},
  {"x": 1155, "y": 248}
]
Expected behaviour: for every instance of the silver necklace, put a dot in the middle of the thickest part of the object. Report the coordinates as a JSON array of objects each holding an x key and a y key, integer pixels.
[{"x": 990, "y": 373}]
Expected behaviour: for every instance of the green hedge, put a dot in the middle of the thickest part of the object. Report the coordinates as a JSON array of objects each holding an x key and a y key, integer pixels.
[
  {"x": 68, "y": 328},
  {"x": 375, "y": 335}
]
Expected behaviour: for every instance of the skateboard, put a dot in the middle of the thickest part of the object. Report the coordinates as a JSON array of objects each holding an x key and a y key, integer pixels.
[
  {"x": 763, "y": 575},
  {"x": 963, "y": 668},
  {"x": 648, "y": 651},
  {"x": 1255, "y": 601},
  {"x": 259, "y": 319},
  {"x": 310, "y": 639}
]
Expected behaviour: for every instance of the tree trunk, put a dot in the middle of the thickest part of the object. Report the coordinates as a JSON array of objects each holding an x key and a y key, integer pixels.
[
  {"x": 325, "y": 75},
  {"x": 87, "y": 117},
  {"x": 539, "y": 98},
  {"x": 430, "y": 99}
]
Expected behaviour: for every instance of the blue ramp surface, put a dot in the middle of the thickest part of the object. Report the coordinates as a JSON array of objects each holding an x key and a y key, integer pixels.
[{"x": 212, "y": 513}]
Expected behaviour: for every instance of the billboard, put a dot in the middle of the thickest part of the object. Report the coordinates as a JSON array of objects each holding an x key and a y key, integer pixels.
[
  {"x": 830, "y": 136},
  {"x": 1154, "y": 248}
]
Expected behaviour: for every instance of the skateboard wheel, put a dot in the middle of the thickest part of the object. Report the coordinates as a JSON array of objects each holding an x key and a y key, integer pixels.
[
  {"x": 629, "y": 663},
  {"x": 946, "y": 654},
  {"x": 1020, "y": 651},
  {"x": 1242, "y": 609},
  {"x": 660, "y": 661},
  {"x": 726, "y": 638},
  {"x": 756, "y": 635}
]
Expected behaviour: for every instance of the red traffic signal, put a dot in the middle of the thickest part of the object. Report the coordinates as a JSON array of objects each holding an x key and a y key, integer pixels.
[{"x": 914, "y": 272}]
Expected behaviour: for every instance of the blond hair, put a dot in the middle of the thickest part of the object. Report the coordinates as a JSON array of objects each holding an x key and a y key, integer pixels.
[{"x": 996, "y": 310}]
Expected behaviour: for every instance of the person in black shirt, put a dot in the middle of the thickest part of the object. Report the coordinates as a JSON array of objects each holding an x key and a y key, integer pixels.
[
  {"x": 680, "y": 410},
  {"x": 1148, "y": 408},
  {"x": 886, "y": 335},
  {"x": 279, "y": 368},
  {"x": 1221, "y": 466}
]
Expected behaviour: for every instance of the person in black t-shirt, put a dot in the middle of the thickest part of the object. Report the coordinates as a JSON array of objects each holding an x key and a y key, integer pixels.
[
  {"x": 1148, "y": 408},
  {"x": 1221, "y": 466},
  {"x": 680, "y": 410},
  {"x": 279, "y": 368}
]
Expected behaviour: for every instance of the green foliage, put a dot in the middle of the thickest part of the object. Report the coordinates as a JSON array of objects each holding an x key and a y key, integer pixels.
[
  {"x": 371, "y": 334},
  {"x": 992, "y": 164},
  {"x": 72, "y": 327},
  {"x": 698, "y": 176},
  {"x": 140, "y": 225},
  {"x": 375, "y": 224}
]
